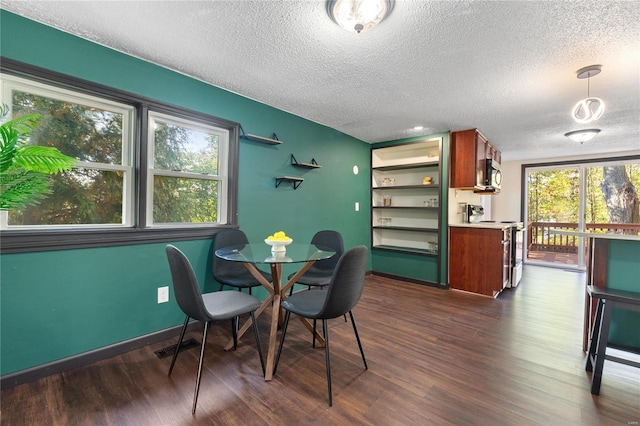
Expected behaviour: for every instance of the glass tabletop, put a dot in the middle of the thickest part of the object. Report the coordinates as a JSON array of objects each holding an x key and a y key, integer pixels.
[{"x": 261, "y": 253}]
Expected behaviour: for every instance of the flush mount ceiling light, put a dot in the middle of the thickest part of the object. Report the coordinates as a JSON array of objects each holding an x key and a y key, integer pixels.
[
  {"x": 588, "y": 109},
  {"x": 359, "y": 16},
  {"x": 582, "y": 135}
]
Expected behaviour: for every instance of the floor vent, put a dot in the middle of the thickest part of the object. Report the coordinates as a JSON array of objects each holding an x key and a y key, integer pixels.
[{"x": 170, "y": 350}]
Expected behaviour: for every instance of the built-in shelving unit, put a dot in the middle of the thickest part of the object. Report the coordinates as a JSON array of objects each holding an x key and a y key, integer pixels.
[
  {"x": 405, "y": 191},
  {"x": 273, "y": 140},
  {"x": 311, "y": 165}
]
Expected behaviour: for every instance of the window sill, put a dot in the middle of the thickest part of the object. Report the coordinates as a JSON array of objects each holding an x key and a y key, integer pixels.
[{"x": 51, "y": 240}]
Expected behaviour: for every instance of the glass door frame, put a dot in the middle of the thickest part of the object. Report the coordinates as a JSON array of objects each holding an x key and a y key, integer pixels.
[{"x": 582, "y": 166}]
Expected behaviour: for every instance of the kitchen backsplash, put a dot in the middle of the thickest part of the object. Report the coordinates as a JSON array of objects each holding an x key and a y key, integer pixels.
[{"x": 457, "y": 197}]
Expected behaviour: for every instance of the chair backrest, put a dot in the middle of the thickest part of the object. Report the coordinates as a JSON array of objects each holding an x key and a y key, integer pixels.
[
  {"x": 332, "y": 240},
  {"x": 185, "y": 285},
  {"x": 347, "y": 283},
  {"x": 224, "y": 268}
]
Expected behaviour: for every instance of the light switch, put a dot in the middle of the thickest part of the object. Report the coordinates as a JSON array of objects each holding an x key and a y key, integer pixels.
[{"x": 357, "y": 206}]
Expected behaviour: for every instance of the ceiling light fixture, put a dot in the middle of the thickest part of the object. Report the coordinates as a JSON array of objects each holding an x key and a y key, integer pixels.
[
  {"x": 359, "y": 16},
  {"x": 582, "y": 135},
  {"x": 588, "y": 109}
]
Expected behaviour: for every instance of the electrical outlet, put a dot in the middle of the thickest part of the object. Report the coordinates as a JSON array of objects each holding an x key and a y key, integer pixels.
[{"x": 163, "y": 294}]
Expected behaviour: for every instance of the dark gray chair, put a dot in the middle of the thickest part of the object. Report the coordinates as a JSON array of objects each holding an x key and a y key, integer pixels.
[
  {"x": 341, "y": 295},
  {"x": 320, "y": 273},
  {"x": 209, "y": 307},
  {"x": 228, "y": 273}
]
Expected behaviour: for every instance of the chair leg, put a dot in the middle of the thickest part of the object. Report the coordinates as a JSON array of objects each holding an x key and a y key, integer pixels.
[
  {"x": 204, "y": 341},
  {"x": 603, "y": 338},
  {"x": 287, "y": 314},
  {"x": 325, "y": 330},
  {"x": 257, "y": 335},
  {"x": 175, "y": 354},
  {"x": 220, "y": 288},
  {"x": 234, "y": 331},
  {"x": 314, "y": 334},
  {"x": 355, "y": 330}
]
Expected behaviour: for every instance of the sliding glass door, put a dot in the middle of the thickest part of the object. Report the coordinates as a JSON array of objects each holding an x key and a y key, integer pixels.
[{"x": 595, "y": 197}]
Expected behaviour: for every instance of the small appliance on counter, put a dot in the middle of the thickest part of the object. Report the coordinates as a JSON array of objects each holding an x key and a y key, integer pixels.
[{"x": 474, "y": 213}]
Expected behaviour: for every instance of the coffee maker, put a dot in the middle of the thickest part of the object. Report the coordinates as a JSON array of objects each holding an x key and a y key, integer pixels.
[{"x": 474, "y": 213}]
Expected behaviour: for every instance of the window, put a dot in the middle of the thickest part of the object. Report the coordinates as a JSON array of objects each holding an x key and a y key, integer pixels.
[
  {"x": 187, "y": 167},
  {"x": 98, "y": 191},
  {"x": 599, "y": 196},
  {"x": 145, "y": 171}
]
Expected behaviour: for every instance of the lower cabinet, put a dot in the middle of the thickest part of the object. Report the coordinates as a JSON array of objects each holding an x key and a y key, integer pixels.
[{"x": 479, "y": 259}]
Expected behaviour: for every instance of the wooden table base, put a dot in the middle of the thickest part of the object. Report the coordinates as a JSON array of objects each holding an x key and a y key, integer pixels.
[{"x": 277, "y": 294}]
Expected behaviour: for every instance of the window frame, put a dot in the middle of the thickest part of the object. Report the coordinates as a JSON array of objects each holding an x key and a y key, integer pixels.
[
  {"x": 33, "y": 240},
  {"x": 220, "y": 176},
  {"x": 128, "y": 112}
]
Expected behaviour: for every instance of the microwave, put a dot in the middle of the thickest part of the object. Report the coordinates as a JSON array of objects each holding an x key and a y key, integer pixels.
[{"x": 493, "y": 175}]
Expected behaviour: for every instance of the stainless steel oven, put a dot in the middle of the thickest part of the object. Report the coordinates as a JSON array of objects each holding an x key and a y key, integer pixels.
[{"x": 517, "y": 241}]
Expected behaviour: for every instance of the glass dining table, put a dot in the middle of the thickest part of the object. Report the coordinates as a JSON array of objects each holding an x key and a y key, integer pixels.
[{"x": 260, "y": 254}]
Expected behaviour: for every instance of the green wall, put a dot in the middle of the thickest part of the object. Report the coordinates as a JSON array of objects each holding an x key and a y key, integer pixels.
[
  {"x": 623, "y": 273},
  {"x": 59, "y": 304}
]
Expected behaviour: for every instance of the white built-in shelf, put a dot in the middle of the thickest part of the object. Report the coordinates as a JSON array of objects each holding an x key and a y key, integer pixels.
[
  {"x": 410, "y": 223},
  {"x": 406, "y": 187},
  {"x": 408, "y": 166}
]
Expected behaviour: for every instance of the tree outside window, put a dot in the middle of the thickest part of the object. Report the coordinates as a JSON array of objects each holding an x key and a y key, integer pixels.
[
  {"x": 185, "y": 183},
  {"x": 98, "y": 136}
]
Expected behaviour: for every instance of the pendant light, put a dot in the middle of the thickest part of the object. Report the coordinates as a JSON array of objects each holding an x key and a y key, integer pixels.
[
  {"x": 359, "y": 16},
  {"x": 588, "y": 109}
]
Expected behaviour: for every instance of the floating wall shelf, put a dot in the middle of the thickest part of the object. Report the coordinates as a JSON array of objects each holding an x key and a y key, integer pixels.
[
  {"x": 295, "y": 181},
  {"x": 312, "y": 165},
  {"x": 273, "y": 140}
]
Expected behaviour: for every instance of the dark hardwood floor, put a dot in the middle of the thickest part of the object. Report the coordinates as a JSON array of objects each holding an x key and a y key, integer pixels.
[{"x": 435, "y": 357}]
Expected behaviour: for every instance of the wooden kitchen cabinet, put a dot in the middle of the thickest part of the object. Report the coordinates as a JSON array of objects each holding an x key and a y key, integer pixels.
[
  {"x": 469, "y": 151},
  {"x": 479, "y": 259}
]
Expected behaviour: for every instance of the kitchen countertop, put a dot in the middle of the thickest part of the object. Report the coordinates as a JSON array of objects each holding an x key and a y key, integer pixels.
[
  {"x": 594, "y": 235},
  {"x": 487, "y": 225}
]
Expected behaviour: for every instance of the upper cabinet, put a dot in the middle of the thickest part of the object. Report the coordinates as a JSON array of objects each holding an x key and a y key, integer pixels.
[{"x": 469, "y": 152}]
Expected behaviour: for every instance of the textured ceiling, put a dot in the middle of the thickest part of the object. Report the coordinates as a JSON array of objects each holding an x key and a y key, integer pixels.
[{"x": 505, "y": 67}]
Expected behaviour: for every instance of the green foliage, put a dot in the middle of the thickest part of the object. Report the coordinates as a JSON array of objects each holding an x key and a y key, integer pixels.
[
  {"x": 81, "y": 195},
  {"x": 95, "y": 195},
  {"x": 178, "y": 199},
  {"x": 23, "y": 168},
  {"x": 553, "y": 195}
]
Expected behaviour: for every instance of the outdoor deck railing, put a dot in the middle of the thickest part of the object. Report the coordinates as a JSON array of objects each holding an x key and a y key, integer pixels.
[{"x": 540, "y": 238}]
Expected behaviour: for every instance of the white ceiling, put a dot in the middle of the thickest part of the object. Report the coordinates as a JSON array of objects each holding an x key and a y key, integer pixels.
[{"x": 505, "y": 67}]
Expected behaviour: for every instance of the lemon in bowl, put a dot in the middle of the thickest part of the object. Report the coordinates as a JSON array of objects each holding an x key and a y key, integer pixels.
[{"x": 278, "y": 241}]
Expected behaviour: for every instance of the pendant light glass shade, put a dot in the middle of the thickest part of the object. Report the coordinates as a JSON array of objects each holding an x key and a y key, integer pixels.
[
  {"x": 582, "y": 135},
  {"x": 358, "y": 16}
]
